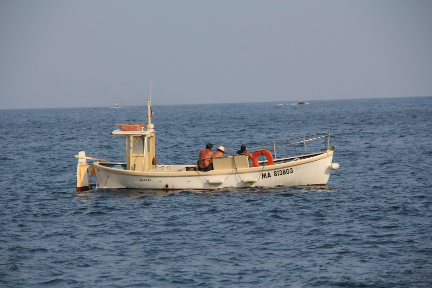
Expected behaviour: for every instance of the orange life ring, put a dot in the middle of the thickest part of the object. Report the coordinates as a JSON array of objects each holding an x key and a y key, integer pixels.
[{"x": 262, "y": 152}]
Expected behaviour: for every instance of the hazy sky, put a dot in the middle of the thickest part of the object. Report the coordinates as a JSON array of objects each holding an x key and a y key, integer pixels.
[{"x": 97, "y": 53}]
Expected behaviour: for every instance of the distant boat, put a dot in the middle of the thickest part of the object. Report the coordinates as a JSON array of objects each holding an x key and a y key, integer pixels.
[
  {"x": 117, "y": 105},
  {"x": 301, "y": 102}
]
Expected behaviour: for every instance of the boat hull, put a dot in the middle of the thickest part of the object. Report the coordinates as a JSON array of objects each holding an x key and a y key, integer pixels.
[{"x": 314, "y": 170}]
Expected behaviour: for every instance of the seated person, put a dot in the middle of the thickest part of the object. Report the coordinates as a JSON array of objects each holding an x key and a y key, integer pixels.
[
  {"x": 220, "y": 151},
  {"x": 205, "y": 162},
  {"x": 243, "y": 151}
]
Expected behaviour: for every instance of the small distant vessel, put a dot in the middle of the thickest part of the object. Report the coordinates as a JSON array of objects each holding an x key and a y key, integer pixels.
[
  {"x": 293, "y": 165},
  {"x": 301, "y": 102},
  {"x": 117, "y": 105}
]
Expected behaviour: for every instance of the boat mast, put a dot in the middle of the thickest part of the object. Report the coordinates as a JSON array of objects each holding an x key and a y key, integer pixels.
[{"x": 149, "y": 105}]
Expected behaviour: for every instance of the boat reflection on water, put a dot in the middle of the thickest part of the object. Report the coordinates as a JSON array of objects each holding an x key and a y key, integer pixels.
[
  {"x": 140, "y": 193},
  {"x": 137, "y": 193}
]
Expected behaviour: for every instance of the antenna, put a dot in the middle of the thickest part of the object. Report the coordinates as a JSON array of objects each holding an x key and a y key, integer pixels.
[
  {"x": 150, "y": 88},
  {"x": 149, "y": 111}
]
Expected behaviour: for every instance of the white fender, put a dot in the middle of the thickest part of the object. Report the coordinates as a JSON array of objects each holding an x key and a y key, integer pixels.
[
  {"x": 249, "y": 180},
  {"x": 215, "y": 181},
  {"x": 334, "y": 166}
]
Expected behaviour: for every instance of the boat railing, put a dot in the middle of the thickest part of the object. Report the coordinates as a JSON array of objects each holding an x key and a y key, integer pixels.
[{"x": 309, "y": 143}]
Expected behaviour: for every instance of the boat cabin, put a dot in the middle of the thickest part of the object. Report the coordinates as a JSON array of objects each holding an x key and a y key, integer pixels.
[
  {"x": 140, "y": 146},
  {"x": 141, "y": 150}
]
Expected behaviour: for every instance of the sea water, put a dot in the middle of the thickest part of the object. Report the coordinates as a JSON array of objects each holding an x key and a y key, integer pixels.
[{"x": 371, "y": 226}]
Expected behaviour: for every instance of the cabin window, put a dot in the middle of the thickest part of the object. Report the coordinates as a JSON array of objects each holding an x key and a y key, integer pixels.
[{"x": 138, "y": 146}]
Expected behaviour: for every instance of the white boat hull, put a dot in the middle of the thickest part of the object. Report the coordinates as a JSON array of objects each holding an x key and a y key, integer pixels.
[{"x": 314, "y": 170}]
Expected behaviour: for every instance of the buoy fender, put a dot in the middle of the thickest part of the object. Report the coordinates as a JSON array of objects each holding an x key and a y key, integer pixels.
[
  {"x": 262, "y": 152},
  {"x": 334, "y": 166}
]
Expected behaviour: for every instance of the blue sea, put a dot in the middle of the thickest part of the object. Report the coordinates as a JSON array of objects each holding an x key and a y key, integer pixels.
[{"x": 371, "y": 226}]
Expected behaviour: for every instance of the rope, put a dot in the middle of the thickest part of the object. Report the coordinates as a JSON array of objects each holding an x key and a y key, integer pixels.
[
  {"x": 199, "y": 174},
  {"x": 230, "y": 173},
  {"x": 260, "y": 171}
]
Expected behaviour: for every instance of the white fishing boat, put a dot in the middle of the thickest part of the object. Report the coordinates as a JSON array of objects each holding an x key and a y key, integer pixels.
[{"x": 271, "y": 165}]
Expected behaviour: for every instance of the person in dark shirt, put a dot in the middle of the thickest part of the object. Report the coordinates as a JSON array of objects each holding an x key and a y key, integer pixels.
[{"x": 243, "y": 151}]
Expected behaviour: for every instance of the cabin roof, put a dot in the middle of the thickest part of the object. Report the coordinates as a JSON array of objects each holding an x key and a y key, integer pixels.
[
  {"x": 134, "y": 129},
  {"x": 129, "y": 133}
]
